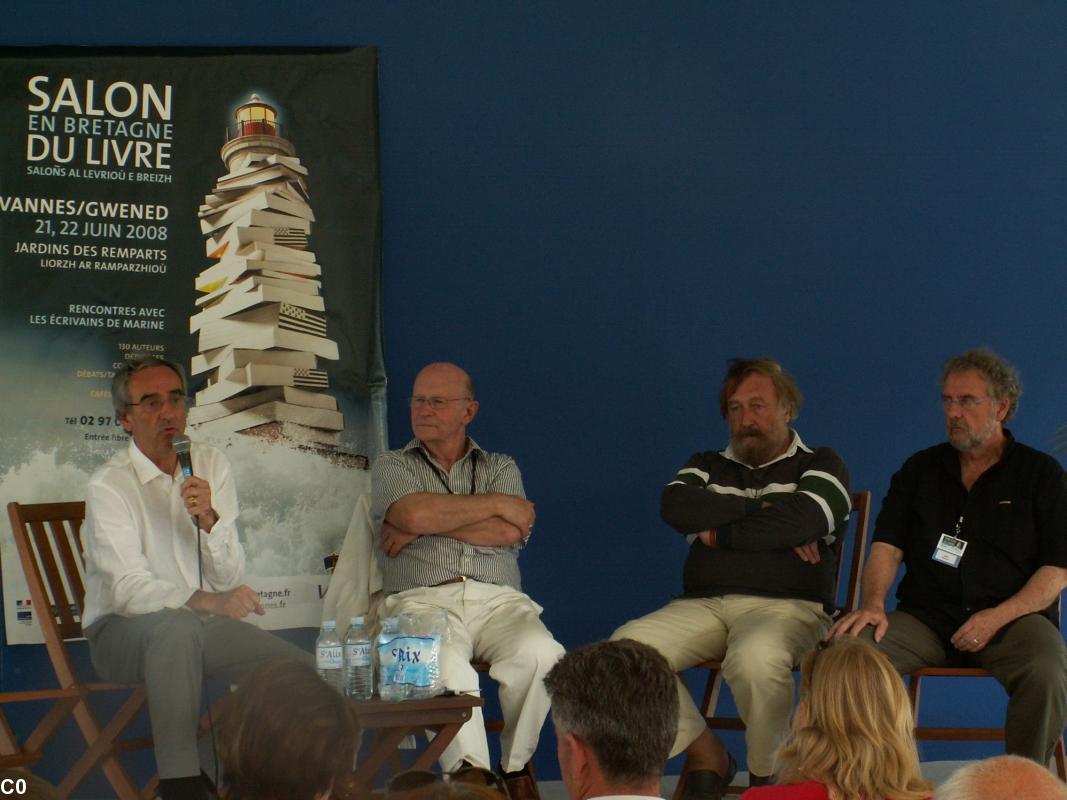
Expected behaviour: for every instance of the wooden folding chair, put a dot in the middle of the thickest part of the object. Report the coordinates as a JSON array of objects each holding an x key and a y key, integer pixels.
[
  {"x": 860, "y": 524},
  {"x": 48, "y": 537}
]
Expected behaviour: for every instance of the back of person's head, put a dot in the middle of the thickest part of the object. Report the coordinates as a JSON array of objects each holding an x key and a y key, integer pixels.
[
  {"x": 286, "y": 735},
  {"x": 853, "y": 727},
  {"x": 1002, "y": 778},
  {"x": 453, "y": 790},
  {"x": 619, "y": 698}
]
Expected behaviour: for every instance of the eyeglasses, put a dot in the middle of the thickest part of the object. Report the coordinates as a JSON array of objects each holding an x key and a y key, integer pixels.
[
  {"x": 436, "y": 403},
  {"x": 155, "y": 402},
  {"x": 412, "y": 779},
  {"x": 967, "y": 402}
]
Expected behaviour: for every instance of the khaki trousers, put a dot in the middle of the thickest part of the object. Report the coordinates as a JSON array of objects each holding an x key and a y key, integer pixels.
[
  {"x": 502, "y": 626},
  {"x": 759, "y": 641}
]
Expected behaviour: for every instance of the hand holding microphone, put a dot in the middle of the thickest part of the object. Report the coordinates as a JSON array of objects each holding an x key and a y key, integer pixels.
[{"x": 196, "y": 492}]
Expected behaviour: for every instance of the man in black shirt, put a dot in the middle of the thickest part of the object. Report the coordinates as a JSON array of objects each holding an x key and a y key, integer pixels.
[{"x": 980, "y": 523}]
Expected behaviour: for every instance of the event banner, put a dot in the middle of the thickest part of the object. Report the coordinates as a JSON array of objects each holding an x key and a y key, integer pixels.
[{"x": 221, "y": 209}]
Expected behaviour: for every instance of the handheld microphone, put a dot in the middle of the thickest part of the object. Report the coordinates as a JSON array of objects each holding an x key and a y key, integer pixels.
[{"x": 181, "y": 446}]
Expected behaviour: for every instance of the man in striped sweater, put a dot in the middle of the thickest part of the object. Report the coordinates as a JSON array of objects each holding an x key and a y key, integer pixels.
[
  {"x": 763, "y": 518},
  {"x": 452, "y": 519}
]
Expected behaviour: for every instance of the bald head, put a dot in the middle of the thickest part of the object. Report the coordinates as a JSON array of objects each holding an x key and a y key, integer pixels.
[
  {"x": 448, "y": 372},
  {"x": 1002, "y": 778},
  {"x": 442, "y": 406}
]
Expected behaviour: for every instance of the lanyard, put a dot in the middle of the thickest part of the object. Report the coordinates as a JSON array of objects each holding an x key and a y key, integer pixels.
[{"x": 474, "y": 469}]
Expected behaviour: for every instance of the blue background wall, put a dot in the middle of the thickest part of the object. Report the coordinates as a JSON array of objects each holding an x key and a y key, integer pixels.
[{"x": 592, "y": 205}]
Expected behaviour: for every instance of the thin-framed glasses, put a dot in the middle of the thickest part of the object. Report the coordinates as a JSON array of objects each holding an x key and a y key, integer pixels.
[
  {"x": 409, "y": 780},
  {"x": 155, "y": 402},
  {"x": 967, "y": 402},
  {"x": 436, "y": 403}
]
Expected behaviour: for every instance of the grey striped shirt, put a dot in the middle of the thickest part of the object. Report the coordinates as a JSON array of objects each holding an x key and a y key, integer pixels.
[{"x": 429, "y": 560}]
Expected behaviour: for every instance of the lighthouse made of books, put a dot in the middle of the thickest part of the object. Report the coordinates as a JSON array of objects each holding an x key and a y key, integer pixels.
[{"x": 261, "y": 318}]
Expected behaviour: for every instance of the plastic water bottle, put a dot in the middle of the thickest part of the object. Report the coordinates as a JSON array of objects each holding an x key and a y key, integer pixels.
[
  {"x": 424, "y": 631},
  {"x": 329, "y": 658},
  {"x": 359, "y": 667},
  {"x": 387, "y": 688}
]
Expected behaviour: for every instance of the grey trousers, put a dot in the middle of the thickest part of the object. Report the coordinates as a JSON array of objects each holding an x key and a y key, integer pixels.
[
  {"x": 1027, "y": 657},
  {"x": 171, "y": 651}
]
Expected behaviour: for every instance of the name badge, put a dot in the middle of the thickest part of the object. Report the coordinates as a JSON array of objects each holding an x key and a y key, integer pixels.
[{"x": 949, "y": 550}]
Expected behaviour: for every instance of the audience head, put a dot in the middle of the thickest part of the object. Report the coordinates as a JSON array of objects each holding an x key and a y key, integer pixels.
[
  {"x": 1002, "y": 778},
  {"x": 286, "y": 735},
  {"x": 615, "y": 708},
  {"x": 452, "y": 790},
  {"x": 853, "y": 727}
]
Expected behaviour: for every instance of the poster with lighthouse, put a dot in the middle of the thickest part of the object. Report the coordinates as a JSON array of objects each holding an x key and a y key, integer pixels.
[{"x": 221, "y": 208}]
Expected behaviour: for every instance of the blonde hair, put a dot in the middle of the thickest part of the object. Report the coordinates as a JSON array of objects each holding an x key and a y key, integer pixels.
[{"x": 853, "y": 732}]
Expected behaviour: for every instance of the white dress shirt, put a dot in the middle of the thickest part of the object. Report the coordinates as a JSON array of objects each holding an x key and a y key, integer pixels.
[{"x": 140, "y": 542}]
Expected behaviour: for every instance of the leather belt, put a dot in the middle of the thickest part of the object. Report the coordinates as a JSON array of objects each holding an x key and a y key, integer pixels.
[{"x": 457, "y": 579}]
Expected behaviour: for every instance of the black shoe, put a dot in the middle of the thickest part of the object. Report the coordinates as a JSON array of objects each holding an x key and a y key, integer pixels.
[
  {"x": 706, "y": 784},
  {"x": 760, "y": 780}
]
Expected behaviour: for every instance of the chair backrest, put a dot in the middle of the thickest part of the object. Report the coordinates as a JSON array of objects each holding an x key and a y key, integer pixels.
[
  {"x": 48, "y": 537},
  {"x": 860, "y": 523}
]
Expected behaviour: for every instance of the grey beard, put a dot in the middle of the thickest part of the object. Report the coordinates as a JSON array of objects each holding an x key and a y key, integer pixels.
[
  {"x": 970, "y": 440},
  {"x": 753, "y": 450}
]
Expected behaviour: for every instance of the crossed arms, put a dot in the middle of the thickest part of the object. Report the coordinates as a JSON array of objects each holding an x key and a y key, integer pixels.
[
  {"x": 494, "y": 520},
  {"x": 500, "y": 516},
  {"x": 792, "y": 516}
]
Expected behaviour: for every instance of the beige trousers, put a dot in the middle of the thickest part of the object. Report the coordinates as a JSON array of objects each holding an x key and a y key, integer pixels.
[
  {"x": 502, "y": 626},
  {"x": 758, "y": 639}
]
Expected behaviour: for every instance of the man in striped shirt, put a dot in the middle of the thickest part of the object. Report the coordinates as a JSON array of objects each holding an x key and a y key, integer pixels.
[
  {"x": 452, "y": 519},
  {"x": 763, "y": 519}
]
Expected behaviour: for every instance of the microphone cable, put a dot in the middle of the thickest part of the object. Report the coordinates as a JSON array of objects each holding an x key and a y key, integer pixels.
[
  {"x": 182, "y": 446},
  {"x": 203, "y": 662}
]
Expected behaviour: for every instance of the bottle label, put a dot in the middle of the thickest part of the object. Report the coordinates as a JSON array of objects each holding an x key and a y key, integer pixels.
[
  {"x": 329, "y": 656},
  {"x": 407, "y": 660},
  {"x": 357, "y": 655}
]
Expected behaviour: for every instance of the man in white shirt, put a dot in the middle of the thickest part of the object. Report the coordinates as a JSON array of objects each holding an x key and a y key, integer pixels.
[
  {"x": 149, "y": 614},
  {"x": 615, "y": 708}
]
